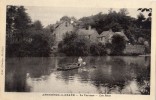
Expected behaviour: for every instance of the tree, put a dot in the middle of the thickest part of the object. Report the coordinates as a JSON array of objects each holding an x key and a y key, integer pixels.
[
  {"x": 17, "y": 23},
  {"x": 41, "y": 43},
  {"x": 65, "y": 18},
  {"x": 145, "y": 23},
  {"x": 110, "y": 10},
  {"x": 42, "y": 40},
  {"x": 113, "y": 20},
  {"x": 38, "y": 25},
  {"x": 74, "y": 45},
  {"x": 123, "y": 12},
  {"x": 86, "y": 21},
  {"x": 118, "y": 44},
  {"x": 97, "y": 49},
  {"x": 141, "y": 40},
  {"x": 50, "y": 27},
  {"x": 25, "y": 38},
  {"x": 140, "y": 19},
  {"x": 94, "y": 49}
]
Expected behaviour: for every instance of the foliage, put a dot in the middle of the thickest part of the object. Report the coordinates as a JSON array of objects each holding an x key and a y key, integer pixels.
[
  {"x": 25, "y": 38},
  {"x": 94, "y": 49},
  {"x": 123, "y": 11},
  {"x": 144, "y": 25},
  {"x": 37, "y": 25},
  {"x": 97, "y": 49},
  {"x": 65, "y": 18},
  {"x": 74, "y": 45},
  {"x": 41, "y": 41},
  {"x": 17, "y": 18},
  {"x": 118, "y": 44},
  {"x": 141, "y": 17},
  {"x": 50, "y": 27},
  {"x": 142, "y": 22},
  {"x": 17, "y": 23},
  {"x": 40, "y": 44},
  {"x": 114, "y": 20},
  {"x": 118, "y": 21}
]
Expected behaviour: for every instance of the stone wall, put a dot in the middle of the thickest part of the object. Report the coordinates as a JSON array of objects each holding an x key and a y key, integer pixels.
[{"x": 134, "y": 49}]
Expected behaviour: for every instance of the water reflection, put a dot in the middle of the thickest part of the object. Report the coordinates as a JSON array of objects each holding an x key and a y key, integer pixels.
[{"x": 113, "y": 75}]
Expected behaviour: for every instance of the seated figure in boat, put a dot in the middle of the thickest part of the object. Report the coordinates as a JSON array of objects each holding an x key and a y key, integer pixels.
[{"x": 80, "y": 60}]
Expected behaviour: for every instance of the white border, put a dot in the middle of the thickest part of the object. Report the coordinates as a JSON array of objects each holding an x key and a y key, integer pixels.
[{"x": 76, "y": 3}]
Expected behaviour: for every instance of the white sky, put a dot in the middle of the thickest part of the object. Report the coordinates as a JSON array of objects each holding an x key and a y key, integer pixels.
[{"x": 49, "y": 15}]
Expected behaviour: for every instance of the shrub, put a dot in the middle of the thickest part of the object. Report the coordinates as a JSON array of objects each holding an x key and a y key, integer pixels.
[
  {"x": 40, "y": 45},
  {"x": 74, "y": 45},
  {"x": 97, "y": 49},
  {"x": 118, "y": 44},
  {"x": 94, "y": 49}
]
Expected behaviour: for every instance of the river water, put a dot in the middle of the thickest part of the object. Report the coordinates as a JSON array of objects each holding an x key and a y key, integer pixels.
[{"x": 108, "y": 74}]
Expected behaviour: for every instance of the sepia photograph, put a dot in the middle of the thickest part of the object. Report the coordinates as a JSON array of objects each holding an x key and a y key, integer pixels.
[{"x": 78, "y": 50}]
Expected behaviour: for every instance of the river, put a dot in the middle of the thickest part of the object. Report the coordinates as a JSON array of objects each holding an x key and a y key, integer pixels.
[{"x": 108, "y": 74}]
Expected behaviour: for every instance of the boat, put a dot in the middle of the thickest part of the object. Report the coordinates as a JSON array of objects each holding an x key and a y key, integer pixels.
[{"x": 70, "y": 66}]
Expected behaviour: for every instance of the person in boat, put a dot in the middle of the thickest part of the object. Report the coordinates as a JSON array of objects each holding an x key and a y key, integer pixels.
[{"x": 80, "y": 60}]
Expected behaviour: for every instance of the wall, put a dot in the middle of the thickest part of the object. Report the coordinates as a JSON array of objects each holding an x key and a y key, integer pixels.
[{"x": 134, "y": 49}]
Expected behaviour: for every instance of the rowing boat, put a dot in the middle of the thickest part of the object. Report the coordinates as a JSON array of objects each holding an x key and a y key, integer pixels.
[{"x": 68, "y": 67}]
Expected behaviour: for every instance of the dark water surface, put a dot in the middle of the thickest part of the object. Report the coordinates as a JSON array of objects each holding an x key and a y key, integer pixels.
[{"x": 109, "y": 74}]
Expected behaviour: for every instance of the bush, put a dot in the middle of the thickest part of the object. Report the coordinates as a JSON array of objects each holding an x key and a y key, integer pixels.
[
  {"x": 41, "y": 43},
  {"x": 118, "y": 44},
  {"x": 94, "y": 49},
  {"x": 97, "y": 49},
  {"x": 74, "y": 45}
]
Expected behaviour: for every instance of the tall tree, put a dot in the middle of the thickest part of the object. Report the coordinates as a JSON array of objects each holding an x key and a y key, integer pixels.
[
  {"x": 17, "y": 23},
  {"x": 38, "y": 25},
  {"x": 140, "y": 19},
  {"x": 123, "y": 11},
  {"x": 118, "y": 44},
  {"x": 65, "y": 18}
]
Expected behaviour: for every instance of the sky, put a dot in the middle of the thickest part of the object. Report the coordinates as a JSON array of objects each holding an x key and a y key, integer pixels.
[{"x": 49, "y": 15}]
